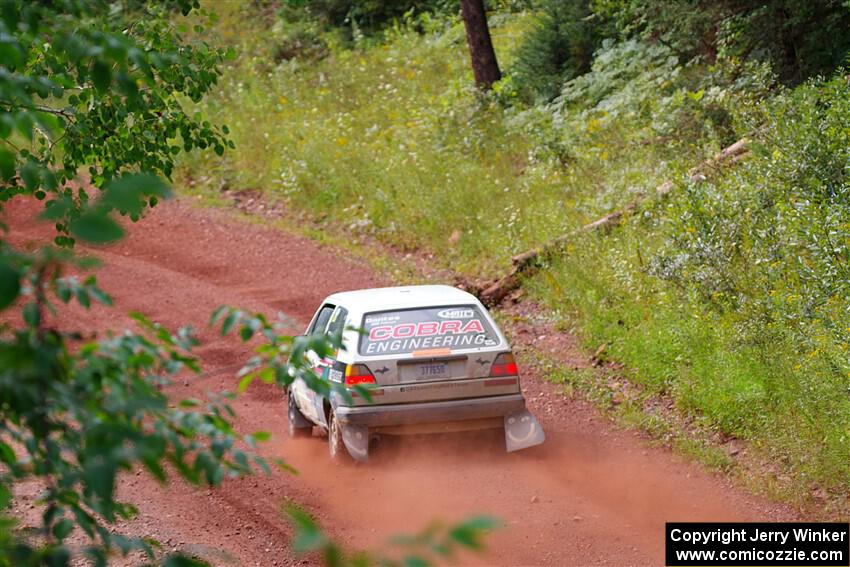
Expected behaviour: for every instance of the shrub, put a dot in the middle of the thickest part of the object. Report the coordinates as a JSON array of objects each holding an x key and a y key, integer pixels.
[
  {"x": 788, "y": 213},
  {"x": 798, "y": 39},
  {"x": 558, "y": 48}
]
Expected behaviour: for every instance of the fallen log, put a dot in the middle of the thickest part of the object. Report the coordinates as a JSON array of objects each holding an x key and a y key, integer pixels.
[{"x": 527, "y": 262}]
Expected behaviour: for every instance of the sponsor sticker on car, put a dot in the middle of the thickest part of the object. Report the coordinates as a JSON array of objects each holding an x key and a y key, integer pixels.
[{"x": 406, "y": 331}]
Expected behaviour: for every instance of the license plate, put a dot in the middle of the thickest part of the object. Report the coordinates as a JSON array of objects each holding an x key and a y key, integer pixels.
[{"x": 432, "y": 371}]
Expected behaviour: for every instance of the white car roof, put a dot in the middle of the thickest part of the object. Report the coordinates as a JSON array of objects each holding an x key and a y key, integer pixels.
[
  {"x": 363, "y": 301},
  {"x": 401, "y": 297}
]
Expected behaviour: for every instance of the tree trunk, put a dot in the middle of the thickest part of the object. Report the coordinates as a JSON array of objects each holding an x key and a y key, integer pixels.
[{"x": 484, "y": 64}]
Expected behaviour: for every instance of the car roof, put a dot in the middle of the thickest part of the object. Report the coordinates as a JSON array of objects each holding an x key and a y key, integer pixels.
[{"x": 401, "y": 297}]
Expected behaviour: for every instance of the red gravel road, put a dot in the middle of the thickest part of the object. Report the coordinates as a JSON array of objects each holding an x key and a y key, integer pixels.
[{"x": 591, "y": 495}]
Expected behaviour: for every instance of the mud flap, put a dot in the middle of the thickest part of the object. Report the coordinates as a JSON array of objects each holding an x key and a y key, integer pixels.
[
  {"x": 356, "y": 440},
  {"x": 522, "y": 430}
]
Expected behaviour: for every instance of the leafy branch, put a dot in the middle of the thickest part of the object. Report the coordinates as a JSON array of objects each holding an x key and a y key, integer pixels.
[
  {"x": 75, "y": 419},
  {"x": 88, "y": 84}
]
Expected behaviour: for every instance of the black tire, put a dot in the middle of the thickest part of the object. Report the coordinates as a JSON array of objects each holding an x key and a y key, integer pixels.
[
  {"x": 336, "y": 446},
  {"x": 295, "y": 418}
]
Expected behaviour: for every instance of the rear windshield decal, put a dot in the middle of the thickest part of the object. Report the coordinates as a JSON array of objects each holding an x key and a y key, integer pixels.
[{"x": 404, "y": 331}]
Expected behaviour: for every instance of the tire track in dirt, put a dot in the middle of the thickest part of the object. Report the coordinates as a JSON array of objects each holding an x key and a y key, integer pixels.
[{"x": 591, "y": 495}]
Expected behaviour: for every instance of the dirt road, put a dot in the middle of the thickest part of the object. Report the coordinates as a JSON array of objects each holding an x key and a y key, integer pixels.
[{"x": 591, "y": 495}]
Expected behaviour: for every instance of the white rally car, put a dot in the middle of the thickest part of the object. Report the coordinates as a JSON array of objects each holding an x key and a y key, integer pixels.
[{"x": 434, "y": 361}]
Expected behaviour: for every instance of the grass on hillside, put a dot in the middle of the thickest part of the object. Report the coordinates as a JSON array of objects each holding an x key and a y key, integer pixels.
[{"x": 391, "y": 140}]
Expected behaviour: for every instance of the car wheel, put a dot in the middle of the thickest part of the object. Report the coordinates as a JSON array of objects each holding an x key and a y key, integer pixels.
[
  {"x": 296, "y": 418},
  {"x": 336, "y": 446}
]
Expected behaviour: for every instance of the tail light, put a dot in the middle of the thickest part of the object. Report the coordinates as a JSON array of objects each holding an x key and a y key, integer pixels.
[
  {"x": 358, "y": 374},
  {"x": 504, "y": 365}
]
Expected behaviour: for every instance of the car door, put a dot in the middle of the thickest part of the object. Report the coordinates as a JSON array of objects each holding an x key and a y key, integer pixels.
[
  {"x": 304, "y": 396},
  {"x": 330, "y": 368}
]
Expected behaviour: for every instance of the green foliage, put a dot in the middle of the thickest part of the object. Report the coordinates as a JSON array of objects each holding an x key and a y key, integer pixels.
[
  {"x": 795, "y": 39},
  {"x": 100, "y": 86},
  {"x": 640, "y": 87},
  {"x": 788, "y": 212},
  {"x": 625, "y": 79},
  {"x": 558, "y": 48},
  {"x": 96, "y": 85},
  {"x": 687, "y": 27},
  {"x": 798, "y": 39},
  {"x": 78, "y": 414},
  {"x": 75, "y": 418}
]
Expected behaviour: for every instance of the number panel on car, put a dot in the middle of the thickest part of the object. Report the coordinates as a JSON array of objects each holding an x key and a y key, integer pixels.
[{"x": 427, "y": 370}]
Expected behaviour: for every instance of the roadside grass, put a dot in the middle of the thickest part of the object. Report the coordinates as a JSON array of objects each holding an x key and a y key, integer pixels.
[
  {"x": 698, "y": 440},
  {"x": 637, "y": 409},
  {"x": 385, "y": 142},
  {"x": 749, "y": 384}
]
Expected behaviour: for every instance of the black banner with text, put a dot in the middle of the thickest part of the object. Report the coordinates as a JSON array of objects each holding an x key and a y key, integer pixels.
[{"x": 757, "y": 544}]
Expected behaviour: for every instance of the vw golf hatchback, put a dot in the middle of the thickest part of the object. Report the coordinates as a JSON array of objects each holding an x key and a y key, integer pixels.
[{"x": 434, "y": 360}]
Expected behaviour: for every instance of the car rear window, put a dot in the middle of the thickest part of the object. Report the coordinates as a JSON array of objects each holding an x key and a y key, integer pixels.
[{"x": 404, "y": 331}]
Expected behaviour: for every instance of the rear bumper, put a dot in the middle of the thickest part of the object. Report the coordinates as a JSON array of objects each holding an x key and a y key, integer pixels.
[{"x": 431, "y": 412}]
